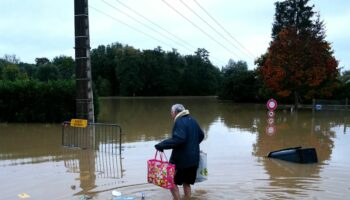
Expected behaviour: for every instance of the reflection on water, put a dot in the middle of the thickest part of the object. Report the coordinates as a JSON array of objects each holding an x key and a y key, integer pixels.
[
  {"x": 298, "y": 129},
  {"x": 92, "y": 165},
  {"x": 145, "y": 119},
  {"x": 27, "y": 146},
  {"x": 33, "y": 160}
]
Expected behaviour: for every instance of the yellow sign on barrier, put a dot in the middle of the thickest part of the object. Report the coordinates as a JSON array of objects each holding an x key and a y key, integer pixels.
[
  {"x": 81, "y": 123},
  {"x": 24, "y": 196}
]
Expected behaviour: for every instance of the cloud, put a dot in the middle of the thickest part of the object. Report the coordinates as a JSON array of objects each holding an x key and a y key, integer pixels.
[{"x": 40, "y": 28}]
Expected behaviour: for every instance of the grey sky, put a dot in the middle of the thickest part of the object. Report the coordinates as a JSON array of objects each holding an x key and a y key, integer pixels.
[{"x": 38, "y": 28}]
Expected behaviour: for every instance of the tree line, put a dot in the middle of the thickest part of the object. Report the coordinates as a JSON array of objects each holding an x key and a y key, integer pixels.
[
  {"x": 120, "y": 70},
  {"x": 40, "y": 92},
  {"x": 126, "y": 71},
  {"x": 298, "y": 65}
]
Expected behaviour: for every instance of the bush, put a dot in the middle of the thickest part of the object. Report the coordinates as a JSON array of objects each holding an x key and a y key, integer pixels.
[{"x": 34, "y": 101}]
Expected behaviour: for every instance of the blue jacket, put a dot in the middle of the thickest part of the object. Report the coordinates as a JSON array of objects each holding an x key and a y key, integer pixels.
[{"x": 185, "y": 140}]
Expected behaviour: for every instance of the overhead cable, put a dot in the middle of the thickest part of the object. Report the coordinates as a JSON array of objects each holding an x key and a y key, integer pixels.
[
  {"x": 160, "y": 27},
  {"x": 136, "y": 29},
  {"x": 145, "y": 25},
  {"x": 222, "y": 27},
  {"x": 203, "y": 20},
  {"x": 205, "y": 33}
]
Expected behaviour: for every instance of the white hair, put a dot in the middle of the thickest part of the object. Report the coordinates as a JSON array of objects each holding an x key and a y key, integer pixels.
[{"x": 176, "y": 108}]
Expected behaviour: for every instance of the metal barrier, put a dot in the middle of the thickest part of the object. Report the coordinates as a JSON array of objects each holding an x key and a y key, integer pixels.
[
  {"x": 97, "y": 164},
  {"x": 336, "y": 105},
  {"x": 96, "y": 136}
]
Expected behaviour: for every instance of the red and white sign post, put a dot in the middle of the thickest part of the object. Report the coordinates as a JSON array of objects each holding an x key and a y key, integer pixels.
[{"x": 271, "y": 106}]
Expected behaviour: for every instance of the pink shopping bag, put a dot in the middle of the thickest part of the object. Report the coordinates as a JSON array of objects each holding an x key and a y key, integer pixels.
[{"x": 161, "y": 172}]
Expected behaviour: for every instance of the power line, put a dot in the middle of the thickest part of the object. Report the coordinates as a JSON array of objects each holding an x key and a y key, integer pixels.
[
  {"x": 131, "y": 27},
  {"x": 203, "y": 20},
  {"x": 145, "y": 18},
  {"x": 145, "y": 25},
  {"x": 223, "y": 28},
  {"x": 205, "y": 33},
  {"x": 138, "y": 30}
]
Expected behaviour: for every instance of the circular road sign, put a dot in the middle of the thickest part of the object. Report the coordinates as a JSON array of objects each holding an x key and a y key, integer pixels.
[
  {"x": 270, "y": 113},
  {"x": 271, "y": 104}
]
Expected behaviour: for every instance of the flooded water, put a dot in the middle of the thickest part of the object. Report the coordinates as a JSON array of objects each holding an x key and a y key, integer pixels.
[{"x": 35, "y": 165}]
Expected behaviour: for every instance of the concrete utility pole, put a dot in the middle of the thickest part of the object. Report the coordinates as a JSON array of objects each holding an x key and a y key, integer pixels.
[{"x": 84, "y": 95}]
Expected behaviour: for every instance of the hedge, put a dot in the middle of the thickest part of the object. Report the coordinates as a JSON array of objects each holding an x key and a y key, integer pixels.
[{"x": 34, "y": 101}]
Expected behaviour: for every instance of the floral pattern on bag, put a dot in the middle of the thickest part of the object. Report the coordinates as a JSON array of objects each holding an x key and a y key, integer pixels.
[{"x": 161, "y": 173}]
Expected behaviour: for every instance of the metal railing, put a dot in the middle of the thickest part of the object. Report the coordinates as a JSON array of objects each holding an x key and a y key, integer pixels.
[
  {"x": 336, "y": 105},
  {"x": 96, "y": 136},
  {"x": 99, "y": 164}
]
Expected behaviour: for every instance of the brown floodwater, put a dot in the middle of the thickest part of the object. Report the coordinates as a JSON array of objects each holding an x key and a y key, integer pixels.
[{"x": 33, "y": 161}]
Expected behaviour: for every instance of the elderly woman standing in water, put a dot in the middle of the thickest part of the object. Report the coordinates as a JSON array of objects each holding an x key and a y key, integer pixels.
[{"x": 185, "y": 140}]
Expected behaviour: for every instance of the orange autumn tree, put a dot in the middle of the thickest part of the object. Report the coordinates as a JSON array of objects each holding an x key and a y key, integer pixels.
[{"x": 299, "y": 62}]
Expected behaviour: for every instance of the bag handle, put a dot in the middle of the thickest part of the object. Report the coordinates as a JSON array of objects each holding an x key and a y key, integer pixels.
[{"x": 161, "y": 154}]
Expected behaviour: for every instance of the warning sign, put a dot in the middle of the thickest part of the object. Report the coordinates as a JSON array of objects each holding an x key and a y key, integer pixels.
[
  {"x": 24, "y": 196},
  {"x": 271, "y": 104},
  {"x": 81, "y": 123}
]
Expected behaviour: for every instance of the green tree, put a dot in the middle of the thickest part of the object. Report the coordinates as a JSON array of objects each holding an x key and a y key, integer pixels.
[
  {"x": 42, "y": 61},
  {"x": 104, "y": 65},
  {"x": 10, "y": 72},
  {"x": 203, "y": 54},
  {"x": 173, "y": 71},
  {"x": 129, "y": 71},
  {"x": 3, "y": 63},
  {"x": 65, "y": 66},
  {"x": 103, "y": 86},
  {"x": 200, "y": 77},
  {"x": 239, "y": 83},
  {"x": 293, "y": 13},
  {"x": 129, "y": 64},
  {"x": 9, "y": 69},
  {"x": 47, "y": 72},
  {"x": 29, "y": 69},
  {"x": 152, "y": 70}
]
